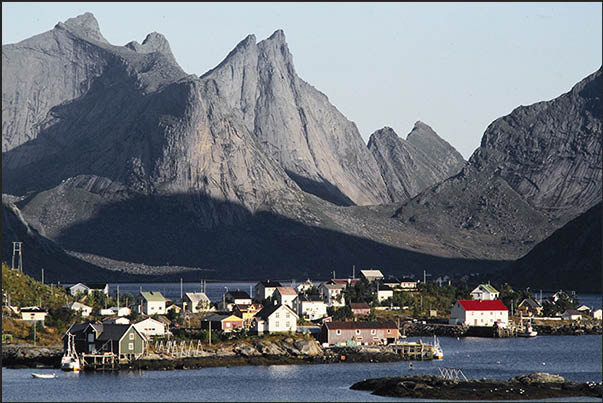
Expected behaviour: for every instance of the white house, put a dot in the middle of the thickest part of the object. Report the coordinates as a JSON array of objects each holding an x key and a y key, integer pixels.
[
  {"x": 484, "y": 292},
  {"x": 152, "y": 302},
  {"x": 265, "y": 289},
  {"x": 310, "y": 307},
  {"x": 479, "y": 312},
  {"x": 584, "y": 309},
  {"x": 372, "y": 275},
  {"x": 196, "y": 302},
  {"x": 89, "y": 288},
  {"x": 285, "y": 296},
  {"x": 571, "y": 314},
  {"x": 274, "y": 319},
  {"x": 84, "y": 310},
  {"x": 408, "y": 284},
  {"x": 117, "y": 320},
  {"x": 305, "y": 286},
  {"x": 384, "y": 292},
  {"x": 333, "y": 294},
  {"x": 151, "y": 327},
  {"x": 33, "y": 314},
  {"x": 79, "y": 288},
  {"x": 597, "y": 314}
]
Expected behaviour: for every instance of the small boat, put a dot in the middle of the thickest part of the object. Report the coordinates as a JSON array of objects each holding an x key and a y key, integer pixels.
[
  {"x": 438, "y": 353},
  {"x": 526, "y": 330},
  {"x": 44, "y": 376}
]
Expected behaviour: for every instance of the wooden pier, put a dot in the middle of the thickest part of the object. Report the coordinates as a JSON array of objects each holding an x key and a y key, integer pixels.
[
  {"x": 100, "y": 361},
  {"x": 417, "y": 351}
]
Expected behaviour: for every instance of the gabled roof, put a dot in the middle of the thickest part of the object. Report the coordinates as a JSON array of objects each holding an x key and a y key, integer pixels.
[
  {"x": 80, "y": 284},
  {"x": 371, "y": 273},
  {"x": 385, "y": 288},
  {"x": 310, "y": 298},
  {"x": 359, "y": 305},
  {"x": 486, "y": 287},
  {"x": 350, "y": 281},
  {"x": 220, "y": 318},
  {"x": 270, "y": 283},
  {"x": 113, "y": 331},
  {"x": 333, "y": 286},
  {"x": 572, "y": 312},
  {"x": 531, "y": 303},
  {"x": 149, "y": 319},
  {"x": 154, "y": 296},
  {"x": 286, "y": 290},
  {"x": 96, "y": 286},
  {"x": 196, "y": 297},
  {"x": 33, "y": 309},
  {"x": 484, "y": 305},
  {"x": 268, "y": 310},
  {"x": 389, "y": 324},
  {"x": 77, "y": 305}
]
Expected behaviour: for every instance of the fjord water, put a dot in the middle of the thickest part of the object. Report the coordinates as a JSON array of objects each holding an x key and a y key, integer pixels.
[{"x": 577, "y": 358}]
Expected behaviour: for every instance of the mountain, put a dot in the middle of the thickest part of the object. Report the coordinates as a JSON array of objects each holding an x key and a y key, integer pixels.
[
  {"x": 321, "y": 150},
  {"x": 550, "y": 152},
  {"x": 570, "y": 257},
  {"x": 412, "y": 165}
]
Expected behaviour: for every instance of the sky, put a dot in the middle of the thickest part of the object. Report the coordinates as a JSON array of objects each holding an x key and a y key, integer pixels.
[{"x": 455, "y": 66}]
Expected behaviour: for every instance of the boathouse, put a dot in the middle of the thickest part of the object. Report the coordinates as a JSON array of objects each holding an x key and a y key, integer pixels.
[
  {"x": 122, "y": 341},
  {"x": 359, "y": 332},
  {"x": 479, "y": 313}
]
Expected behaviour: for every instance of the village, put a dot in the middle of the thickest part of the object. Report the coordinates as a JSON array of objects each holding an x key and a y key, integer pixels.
[{"x": 105, "y": 331}]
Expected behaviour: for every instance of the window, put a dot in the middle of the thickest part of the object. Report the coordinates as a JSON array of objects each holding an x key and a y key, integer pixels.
[
  {"x": 277, "y": 315},
  {"x": 130, "y": 346},
  {"x": 288, "y": 324},
  {"x": 389, "y": 330},
  {"x": 131, "y": 336},
  {"x": 357, "y": 331},
  {"x": 338, "y": 332},
  {"x": 277, "y": 324},
  {"x": 227, "y": 324},
  {"x": 287, "y": 315},
  {"x": 373, "y": 331},
  {"x": 91, "y": 337}
]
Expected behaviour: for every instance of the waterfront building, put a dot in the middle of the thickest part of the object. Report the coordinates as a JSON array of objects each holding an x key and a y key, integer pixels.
[
  {"x": 265, "y": 289},
  {"x": 584, "y": 309},
  {"x": 484, "y": 292},
  {"x": 529, "y": 307},
  {"x": 274, "y": 319},
  {"x": 359, "y": 332},
  {"x": 597, "y": 314},
  {"x": 125, "y": 341},
  {"x": 479, "y": 313},
  {"x": 246, "y": 312},
  {"x": 572, "y": 314}
]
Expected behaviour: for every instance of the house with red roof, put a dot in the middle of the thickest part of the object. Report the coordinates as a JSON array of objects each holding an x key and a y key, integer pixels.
[{"x": 479, "y": 312}]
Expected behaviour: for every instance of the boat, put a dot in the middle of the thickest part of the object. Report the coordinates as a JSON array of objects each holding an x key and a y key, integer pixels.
[
  {"x": 44, "y": 376},
  {"x": 70, "y": 360},
  {"x": 438, "y": 353},
  {"x": 526, "y": 330}
]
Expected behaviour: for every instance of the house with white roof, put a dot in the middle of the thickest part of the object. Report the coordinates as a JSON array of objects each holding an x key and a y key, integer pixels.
[
  {"x": 285, "y": 295},
  {"x": 33, "y": 314},
  {"x": 484, "y": 292},
  {"x": 479, "y": 312},
  {"x": 597, "y": 314},
  {"x": 274, "y": 319},
  {"x": 151, "y": 303},
  {"x": 89, "y": 288}
]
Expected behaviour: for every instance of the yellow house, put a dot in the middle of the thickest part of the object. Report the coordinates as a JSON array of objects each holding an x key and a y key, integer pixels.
[{"x": 246, "y": 312}]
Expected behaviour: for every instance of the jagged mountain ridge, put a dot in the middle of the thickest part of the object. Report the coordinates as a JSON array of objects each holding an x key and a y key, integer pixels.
[
  {"x": 295, "y": 123},
  {"x": 412, "y": 165}
]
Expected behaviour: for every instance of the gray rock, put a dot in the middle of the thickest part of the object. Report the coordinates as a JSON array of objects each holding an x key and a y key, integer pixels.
[
  {"x": 412, "y": 165},
  {"x": 538, "y": 377}
]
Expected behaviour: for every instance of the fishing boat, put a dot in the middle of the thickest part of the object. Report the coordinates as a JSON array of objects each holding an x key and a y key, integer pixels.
[
  {"x": 44, "y": 376},
  {"x": 526, "y": 330},
  {"x": 70, "y": 360},
  {"x": 438, "y": 353}
]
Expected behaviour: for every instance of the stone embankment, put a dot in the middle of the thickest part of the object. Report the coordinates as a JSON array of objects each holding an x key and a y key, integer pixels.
[
  {"x": 575, "y": 329},
  {"x": 529, "y": 386},
  {"x": 443, "y": 330},
  {"x": 23, "y": 355}
]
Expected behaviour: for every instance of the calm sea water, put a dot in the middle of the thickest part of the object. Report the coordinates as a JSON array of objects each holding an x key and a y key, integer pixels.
[{"x": 574, "y": 357}]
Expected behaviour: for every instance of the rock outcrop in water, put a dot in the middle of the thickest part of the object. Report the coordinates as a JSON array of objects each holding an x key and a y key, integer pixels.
[{"x": 412, "y": 165}]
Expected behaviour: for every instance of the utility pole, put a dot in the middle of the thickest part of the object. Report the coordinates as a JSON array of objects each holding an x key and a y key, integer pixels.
[
  {"x": 42, "y": 275},
  {"x": 333, "y": 274},
  {"x": 209, "y": 321},
  {"x": 180, "y": 287},
  {"x": 353, "y": 272},
  {"x": 17, "y": 250},
  {"x": 118, "y": 299}
]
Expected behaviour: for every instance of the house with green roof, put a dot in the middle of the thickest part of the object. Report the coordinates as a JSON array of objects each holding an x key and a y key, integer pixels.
[
  {"x": 484, "y": 292},
  {"x": 152, "y": 302}
]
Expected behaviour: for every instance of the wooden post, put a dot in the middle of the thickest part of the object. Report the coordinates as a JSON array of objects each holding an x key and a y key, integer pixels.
[{"x": 209, "y": 321}]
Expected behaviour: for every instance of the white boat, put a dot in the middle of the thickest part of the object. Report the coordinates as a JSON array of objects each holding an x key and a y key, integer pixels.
[
  {"x": 44, "y": 376},
  {"x": 70, "y": 360},
  {"x": 526, "y": 331},
  {"x": 438, "y": 353}
]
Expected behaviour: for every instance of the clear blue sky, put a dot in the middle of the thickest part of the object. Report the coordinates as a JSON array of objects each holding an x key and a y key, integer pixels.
[{"x": 454, "y": 66}]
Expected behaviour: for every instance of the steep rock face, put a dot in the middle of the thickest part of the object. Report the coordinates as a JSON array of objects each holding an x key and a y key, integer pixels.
[
  {"x": 412, "y": 165},
  {"x": 318, "y": 147},
  {"x": 571, "y": 256},
  {"x": 550, "y": 152}
]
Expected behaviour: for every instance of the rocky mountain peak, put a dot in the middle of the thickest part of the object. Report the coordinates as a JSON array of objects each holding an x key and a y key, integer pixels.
[
  {"x": 85, "y": 26},
  {"x": 421, "y": 129},
  {"x": 154, "y": 42}
]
